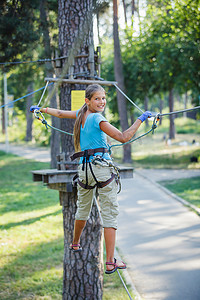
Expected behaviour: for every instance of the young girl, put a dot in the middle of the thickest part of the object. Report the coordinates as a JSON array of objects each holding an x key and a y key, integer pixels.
[{"x": 90, "y": 131}]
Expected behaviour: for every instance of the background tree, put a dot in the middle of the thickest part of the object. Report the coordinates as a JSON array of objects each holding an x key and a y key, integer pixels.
[
  {"x": 48, "y": 52},
  {"x": 118, "y": 69}
]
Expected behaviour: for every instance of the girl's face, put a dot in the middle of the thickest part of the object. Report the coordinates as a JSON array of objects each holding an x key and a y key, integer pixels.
[{"x": 97, "y": 102}]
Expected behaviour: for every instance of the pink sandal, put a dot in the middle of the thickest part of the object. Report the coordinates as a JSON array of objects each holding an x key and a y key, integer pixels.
[
  {"x": 115, "y": 266},
  {"x": 71, "y": 247}
]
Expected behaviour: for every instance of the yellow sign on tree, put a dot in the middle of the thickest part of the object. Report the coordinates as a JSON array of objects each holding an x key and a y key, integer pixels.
[{"x": 77, "y": 99}]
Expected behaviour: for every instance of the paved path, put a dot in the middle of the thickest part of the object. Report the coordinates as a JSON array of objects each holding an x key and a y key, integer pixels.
[
  {"x": 40, "y": 154},
  {"x": 158, "y": 237},
  {"x": 160, "y": 241}
]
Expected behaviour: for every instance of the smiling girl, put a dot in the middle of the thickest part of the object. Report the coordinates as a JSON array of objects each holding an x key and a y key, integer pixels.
[{"x": 95, "y": 169}]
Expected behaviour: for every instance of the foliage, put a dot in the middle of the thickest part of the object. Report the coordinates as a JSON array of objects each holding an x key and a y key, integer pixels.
[
  {"x": 17, "y": 28},
  {"x": 166, "y": 53}
]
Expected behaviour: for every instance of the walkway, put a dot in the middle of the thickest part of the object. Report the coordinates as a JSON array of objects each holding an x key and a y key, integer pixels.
[{"x": 159, "y": 239}]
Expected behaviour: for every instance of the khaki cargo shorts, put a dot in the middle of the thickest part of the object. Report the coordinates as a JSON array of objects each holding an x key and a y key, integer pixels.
[{"x": 107, "y": 195}]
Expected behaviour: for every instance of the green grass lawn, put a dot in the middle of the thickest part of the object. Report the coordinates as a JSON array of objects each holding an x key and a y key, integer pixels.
[
  {"x": 31, "y": 239},
  {"x": 188, "y": 189}
]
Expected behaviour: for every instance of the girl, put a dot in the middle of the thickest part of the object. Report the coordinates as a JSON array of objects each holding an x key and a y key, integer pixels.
[{"x": 95, "y": 170}]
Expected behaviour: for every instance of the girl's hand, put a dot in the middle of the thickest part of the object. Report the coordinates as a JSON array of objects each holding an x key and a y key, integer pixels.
[
  {"x": 34, "y": 107},
  {"x": 145, "y": 115}
]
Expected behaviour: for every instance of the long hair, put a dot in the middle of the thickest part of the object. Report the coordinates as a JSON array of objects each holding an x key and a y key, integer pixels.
[{"x": 89, "y": 92}]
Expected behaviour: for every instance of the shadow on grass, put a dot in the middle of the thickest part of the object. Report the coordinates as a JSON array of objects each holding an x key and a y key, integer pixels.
[{"x": 28, "y": 221}]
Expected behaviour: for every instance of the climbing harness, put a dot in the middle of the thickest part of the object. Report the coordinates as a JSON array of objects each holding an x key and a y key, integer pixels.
[{"x": 96, "y": 160}]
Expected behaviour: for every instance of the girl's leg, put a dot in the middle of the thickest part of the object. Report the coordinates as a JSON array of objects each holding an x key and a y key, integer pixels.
[
  {"x": 109, "y": 236},
  {"x": 78, "y": 229}
]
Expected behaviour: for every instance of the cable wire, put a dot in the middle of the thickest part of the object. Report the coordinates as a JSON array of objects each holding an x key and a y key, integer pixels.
[
  {"x": 128, "y": 98},
  {"x": 32, "y": 61},
  {"x": 24, "y": 96},
  {"x": 179, "y": 111}
]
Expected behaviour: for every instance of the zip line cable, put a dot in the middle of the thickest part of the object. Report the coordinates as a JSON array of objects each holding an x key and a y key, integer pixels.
[
  {"x": 179, "y": 111},
  {"x": 128, "y": 98},
  {"x": 32, "y": 61},
  {"x": 43, "y": 93},
  {"x": 24, "y": 96}
]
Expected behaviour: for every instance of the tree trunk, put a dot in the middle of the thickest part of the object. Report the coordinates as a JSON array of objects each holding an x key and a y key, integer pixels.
[
  {"x": 125, "y": 14},
  {"x": 185, "y": 104},
  {"x": 83, "y": 272},
  {"x": 171, "y": 117},
  {"x": 118, "y": 68},
  {"x": 29, "y": 117},
  {"x": 2, "y": 111},
  {"x": 161, "y": 103},
  {"x": 55, "y": 135},
  {"x": 146, "y": 105}
]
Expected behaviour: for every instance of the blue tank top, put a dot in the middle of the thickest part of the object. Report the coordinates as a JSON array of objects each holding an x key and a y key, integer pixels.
[{"x": 91, "y": 136}]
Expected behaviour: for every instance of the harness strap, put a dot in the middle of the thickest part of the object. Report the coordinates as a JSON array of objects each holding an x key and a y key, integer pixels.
[
  {"x": 98, "y": 184},
  {"x": 89, "y": 152}
]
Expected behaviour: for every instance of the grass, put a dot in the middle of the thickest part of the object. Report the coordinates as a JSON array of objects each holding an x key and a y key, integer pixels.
[
  {"x": 153, "y": 152},
  {"x": 189, "y": 190},
  {"x": 31, "y": 253}
]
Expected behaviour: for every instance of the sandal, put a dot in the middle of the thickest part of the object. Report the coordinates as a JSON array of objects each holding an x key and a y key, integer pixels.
[
  {"x": 115, "y": 266},
  {"x": 71, "y": 247}
]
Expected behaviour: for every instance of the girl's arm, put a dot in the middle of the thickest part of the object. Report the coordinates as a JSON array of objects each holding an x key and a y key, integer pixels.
[
  {"x": 59, "y": 113},
  {"x": 116, "y": 134},
  {"x": 125, "y": 136}
]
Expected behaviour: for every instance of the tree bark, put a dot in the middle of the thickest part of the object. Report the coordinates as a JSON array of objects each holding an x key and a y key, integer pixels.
[
  {"x": 185, "y": 104},
  {"x": 161, "y": 103},
  {"x": 146, "y": 105},
  {"x": 83, "y": 272},
  {"x": 55, "y": 135},
  {"x": 125, "y": 14},
  {"x": 29, "y": 117},
  {"x": 171, "y": 117},
  {"x": 119, "y": 77}
]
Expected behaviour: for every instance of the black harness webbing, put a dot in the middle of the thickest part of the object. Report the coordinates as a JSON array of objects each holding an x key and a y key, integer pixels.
[{"x": 86, "y": 155}]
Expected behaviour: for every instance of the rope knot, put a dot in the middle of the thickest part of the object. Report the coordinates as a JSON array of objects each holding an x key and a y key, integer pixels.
[{"x": 45, "y": 123}]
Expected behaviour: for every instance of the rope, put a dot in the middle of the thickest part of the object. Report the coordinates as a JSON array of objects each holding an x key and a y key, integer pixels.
[
  {"x": 128, "y": 98},
  {"x": 24, "y": 96},
  {"x": 180, "y": 111},
  {"x": 42, "y": 119},
  {"x": 124, "y": 284},
  {"x": 98, "y": 209},
  {"x": 154, "y": 126},
  {"x": 32, "y": 61},
  {"x": 43, "y": 93}
]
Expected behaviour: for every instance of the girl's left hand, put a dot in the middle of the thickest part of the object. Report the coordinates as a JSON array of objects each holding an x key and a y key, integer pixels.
[{"x": 145, "y": 115}]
